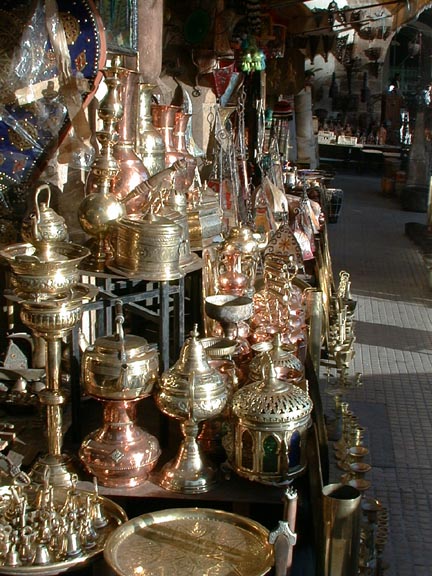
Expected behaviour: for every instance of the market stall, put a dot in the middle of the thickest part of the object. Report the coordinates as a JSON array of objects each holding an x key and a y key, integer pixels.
[{"x": 177, "y": 310}]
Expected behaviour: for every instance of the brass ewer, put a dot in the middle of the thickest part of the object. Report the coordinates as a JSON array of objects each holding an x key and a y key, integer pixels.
[
  {"x": 101, "y": 208},
  {"x": 190, "y": 391},
  {"x": 271, "y": 420},
  {"x": 119, "y": 370}
]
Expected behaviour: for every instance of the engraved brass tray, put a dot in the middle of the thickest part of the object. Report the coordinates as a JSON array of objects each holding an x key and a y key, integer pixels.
[
  {"x": 112, "y": 511},
  {"x": 192, "y": 541}
]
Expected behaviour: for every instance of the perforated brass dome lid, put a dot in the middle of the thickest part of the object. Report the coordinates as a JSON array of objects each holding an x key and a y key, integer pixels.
[{"x": 271, "y": 402}]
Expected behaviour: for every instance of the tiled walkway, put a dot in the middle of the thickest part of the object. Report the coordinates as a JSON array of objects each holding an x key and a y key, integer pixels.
[{"x": 393, "y": 351}]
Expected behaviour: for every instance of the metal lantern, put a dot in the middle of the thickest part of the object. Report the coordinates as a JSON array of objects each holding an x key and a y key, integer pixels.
[{"x": 271, "y": 420}]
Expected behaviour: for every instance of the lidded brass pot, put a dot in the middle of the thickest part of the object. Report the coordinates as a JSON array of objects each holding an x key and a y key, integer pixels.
[
  {"x": 121, "y": 366},
  {"x": 44, "y": 224},
  {"x": 190, "y": 391},
  {"x": 119, "y": 370},
  {"x": 147, "y": 246},
  {"x": 271, "y": 420}
]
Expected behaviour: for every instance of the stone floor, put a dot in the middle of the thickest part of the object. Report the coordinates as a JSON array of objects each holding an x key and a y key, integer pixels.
[{"x": 393, "y": 351}]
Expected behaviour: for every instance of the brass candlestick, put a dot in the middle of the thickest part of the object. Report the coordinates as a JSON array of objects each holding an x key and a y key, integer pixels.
[{"x": 52, "y": 320}]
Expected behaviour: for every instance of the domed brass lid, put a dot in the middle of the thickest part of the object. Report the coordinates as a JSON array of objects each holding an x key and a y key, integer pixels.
[
  {"x": 193, "y": 358},
  {"x": 191, "y": 377},
  {"x": 272, "y": 401}
]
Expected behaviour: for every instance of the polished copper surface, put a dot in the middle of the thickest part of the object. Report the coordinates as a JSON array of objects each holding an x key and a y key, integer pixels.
[
  {"x": 132, "y": 170},
  {"x": 120, "y": 453},
  {"x": 193, "y": 541}
]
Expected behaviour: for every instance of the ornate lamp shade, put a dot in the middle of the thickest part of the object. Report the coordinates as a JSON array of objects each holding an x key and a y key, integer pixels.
[{"x": 271, "y": 420}]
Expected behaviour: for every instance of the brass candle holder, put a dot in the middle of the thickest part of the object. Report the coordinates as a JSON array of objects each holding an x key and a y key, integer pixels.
[{"x": 53, "y": 320}]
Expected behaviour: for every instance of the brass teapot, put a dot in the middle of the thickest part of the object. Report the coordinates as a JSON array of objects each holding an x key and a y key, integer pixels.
[
  {"x": 44, "y": 224},
  {"x": 121, "y": 366}
]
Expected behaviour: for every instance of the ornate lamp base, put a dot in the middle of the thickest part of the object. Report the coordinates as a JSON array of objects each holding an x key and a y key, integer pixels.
[
  {"x": 60, "y": 470},
  {"x": 188, "y": 472}
]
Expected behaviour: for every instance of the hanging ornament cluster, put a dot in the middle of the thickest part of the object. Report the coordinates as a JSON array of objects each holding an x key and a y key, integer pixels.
[{"x": 252, "y": 58}]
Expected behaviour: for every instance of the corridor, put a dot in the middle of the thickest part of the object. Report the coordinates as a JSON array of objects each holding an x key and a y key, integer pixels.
[{"x": 393, "y": 351}]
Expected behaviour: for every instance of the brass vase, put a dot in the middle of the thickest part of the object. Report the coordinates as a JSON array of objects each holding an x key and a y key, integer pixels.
[{"x": 341, "y": 510}]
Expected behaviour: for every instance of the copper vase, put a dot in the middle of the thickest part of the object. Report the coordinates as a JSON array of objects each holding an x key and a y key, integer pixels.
[
  {"x": 132, "y": 171},
  {"x": 164, "y": 117},
  {"x": 179, "y": 140}
]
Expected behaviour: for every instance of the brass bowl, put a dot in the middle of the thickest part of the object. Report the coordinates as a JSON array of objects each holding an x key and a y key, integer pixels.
[{"x": 44, "y": 270}]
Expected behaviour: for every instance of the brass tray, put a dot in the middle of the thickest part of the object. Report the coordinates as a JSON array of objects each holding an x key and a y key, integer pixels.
[
  {"x": 192, "y": 542},
  {"x": 114, "y": 513}
]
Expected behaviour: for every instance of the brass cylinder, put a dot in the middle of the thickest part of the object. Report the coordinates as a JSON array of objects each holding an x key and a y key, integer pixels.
[{"x": 341, "y": 525}]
